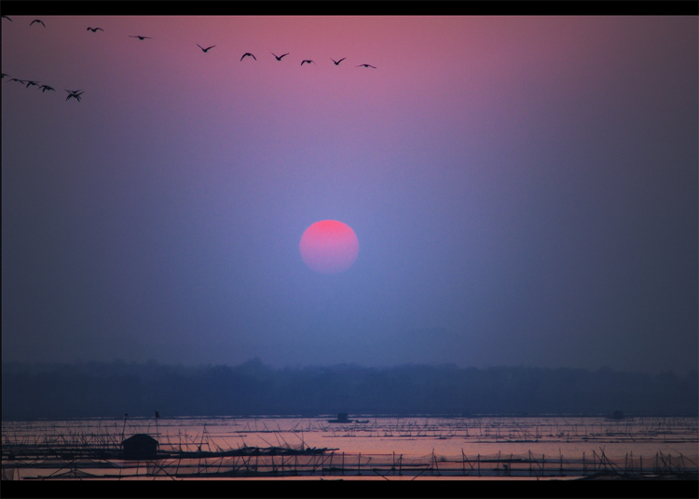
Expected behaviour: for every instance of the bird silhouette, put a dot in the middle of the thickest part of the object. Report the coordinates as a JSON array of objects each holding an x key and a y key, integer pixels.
[
  {"x": 141, "y": 37},
  {"x": 74, "y": 94},
  {"x": 95, "y": 30},
  {"x": 3, "y": 75},
  {"x": 5, "y": 17},
  {"x": 307, "y": 61},
  {"x": 205, "y": 50},
  {"x": 17, "y": 79},
  {"x": 31, "y": 82},
  {"x": 366, "y": 66},
  {"x": 37, "y": 21},
  {"x": 337, "y": 63},
  {"x": 44, "y": 88},
  {"x": 279, "y": 57},
  {"x": 248, "y": 54}
]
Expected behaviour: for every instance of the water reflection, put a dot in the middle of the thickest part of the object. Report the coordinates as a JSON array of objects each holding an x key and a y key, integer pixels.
[{"x": 501, "y": 446}]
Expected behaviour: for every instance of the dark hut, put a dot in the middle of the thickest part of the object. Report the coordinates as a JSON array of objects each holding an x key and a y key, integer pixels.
[
  {"x": 140, "y": 446},
  {"x": 341, "y": 418}
]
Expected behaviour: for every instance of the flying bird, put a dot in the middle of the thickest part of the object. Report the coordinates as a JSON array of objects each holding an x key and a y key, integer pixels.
[
  {"x": 5, "y": 17},
  {"x": 75, "y": 94},
  {"x": 248, "y": 54},
  {"x": 366, "y": 66},
  {"x": 37, "y": 21},
  {"x": 308, "y": 61},
  {"x": 205, "y": 50},
  {"x": 17, "y": 79},
  {"x": 141, "y": 37},
  {"x": 279, "y": 57},
  {"x": 95, "y": 30},
  {"x": 44, "y": 88},
  {"x": 31, "y": 82},
  {"x": 3, "y": 76},
  {"x": 337, "y": 63}
]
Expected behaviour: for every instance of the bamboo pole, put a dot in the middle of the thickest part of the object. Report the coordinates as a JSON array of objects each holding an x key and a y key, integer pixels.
[
  {"x": 631, "y": 462},
  {"x": 560, "y": 468},
  {"x": 594, "y": 468}
]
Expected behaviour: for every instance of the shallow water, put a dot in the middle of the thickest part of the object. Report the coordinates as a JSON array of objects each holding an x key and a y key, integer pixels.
[{"x": 630, "y": 443}]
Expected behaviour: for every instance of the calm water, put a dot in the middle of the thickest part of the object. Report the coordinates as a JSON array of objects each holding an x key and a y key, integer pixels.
[{"x": 417, "y": 438}]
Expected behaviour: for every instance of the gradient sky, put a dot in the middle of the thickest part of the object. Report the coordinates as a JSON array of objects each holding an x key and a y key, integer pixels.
[{"x": 524, "y": 190}]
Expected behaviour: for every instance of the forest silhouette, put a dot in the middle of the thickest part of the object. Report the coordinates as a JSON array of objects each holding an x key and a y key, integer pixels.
[{"x": 111, "y": 389}]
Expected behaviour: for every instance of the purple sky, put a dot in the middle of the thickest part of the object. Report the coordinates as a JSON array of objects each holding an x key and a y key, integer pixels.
[{"x": 524, "y": 190}]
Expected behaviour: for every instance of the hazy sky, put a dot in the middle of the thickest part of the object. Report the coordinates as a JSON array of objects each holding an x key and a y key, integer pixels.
[{"x": 524, "y": 190}]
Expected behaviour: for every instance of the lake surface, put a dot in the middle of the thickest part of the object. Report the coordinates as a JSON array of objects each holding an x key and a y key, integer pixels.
[{"x": 495, "y": 446}]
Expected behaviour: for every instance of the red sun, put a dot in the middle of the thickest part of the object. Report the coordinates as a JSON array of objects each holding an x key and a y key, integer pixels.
[{"x": 329, "y": 247}]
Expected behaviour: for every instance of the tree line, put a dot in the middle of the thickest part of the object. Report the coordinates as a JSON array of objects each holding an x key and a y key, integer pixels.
[{"x": 111, "y": 389}]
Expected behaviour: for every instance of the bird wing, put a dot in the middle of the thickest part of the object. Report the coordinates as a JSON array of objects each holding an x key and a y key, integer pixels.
[{"x": 338, "y": 62}]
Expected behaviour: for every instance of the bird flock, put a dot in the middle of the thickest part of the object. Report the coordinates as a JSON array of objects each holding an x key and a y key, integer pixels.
[{"x": 77, "y": 94}]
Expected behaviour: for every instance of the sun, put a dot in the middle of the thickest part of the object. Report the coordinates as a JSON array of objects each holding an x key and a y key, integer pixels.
[{"x": 329, "y": 247}]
